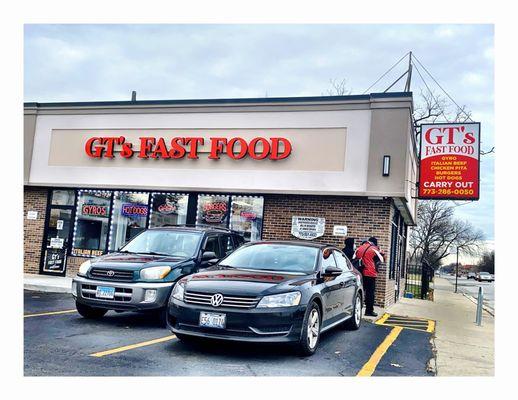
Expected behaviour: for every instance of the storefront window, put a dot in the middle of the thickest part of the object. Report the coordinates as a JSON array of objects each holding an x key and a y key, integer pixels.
[
  {"x": 247, "y": 216},
  {"x": 130, "y": 211},
  {"x": 168, "y": 209},
  {"x": 91, "y": 224},
  {"x": 212, "y": 210},
  {"x": 63, "y": 197}
]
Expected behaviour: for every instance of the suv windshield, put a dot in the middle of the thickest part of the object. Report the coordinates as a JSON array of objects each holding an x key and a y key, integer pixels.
[
  {"x": 164, "y": 242},
  {"x": 273, "y": 257}
]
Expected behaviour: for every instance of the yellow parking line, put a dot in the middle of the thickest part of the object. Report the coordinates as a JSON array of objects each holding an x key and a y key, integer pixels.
[
  {"x": 431, "y": 326},
  {"x": 132, "y": 346},
  {"x": 370, "y": 366},
  {"x": 382, "y": 319},
  {"x": 49, "y": 313}
]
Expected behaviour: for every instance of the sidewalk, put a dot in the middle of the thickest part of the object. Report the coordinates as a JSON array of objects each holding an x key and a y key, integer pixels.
[
  {"x": 47, "y": 283},
  {"x": 462, "y": 347}
]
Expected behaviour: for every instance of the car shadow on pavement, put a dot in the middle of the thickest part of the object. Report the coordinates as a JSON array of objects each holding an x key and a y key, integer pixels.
[
  {"x": 246, "y": 350},
  {"x": 127, "y": 320}
]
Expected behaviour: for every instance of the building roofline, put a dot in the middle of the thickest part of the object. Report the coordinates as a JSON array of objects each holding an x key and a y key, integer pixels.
[{"x": 231, "y": 101}]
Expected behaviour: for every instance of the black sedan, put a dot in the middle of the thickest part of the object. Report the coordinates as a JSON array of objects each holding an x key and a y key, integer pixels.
[{"x": 269, "y": 292}]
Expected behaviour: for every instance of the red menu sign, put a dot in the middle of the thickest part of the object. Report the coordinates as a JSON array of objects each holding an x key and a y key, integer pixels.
[{"x": 449, "y": 167}]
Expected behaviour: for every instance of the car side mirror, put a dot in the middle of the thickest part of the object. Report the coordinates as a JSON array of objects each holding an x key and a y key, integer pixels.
[
  {"x": 209, "y": 257},
  {"x": 332, "y": 271}
]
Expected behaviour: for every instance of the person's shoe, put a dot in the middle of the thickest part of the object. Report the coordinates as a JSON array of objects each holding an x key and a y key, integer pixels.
[{"x": 371, "y": 314}]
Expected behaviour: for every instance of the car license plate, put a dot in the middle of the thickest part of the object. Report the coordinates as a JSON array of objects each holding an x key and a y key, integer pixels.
[
  {"x": 213, "y": 320},
  {"x": 105, "y": 292}
]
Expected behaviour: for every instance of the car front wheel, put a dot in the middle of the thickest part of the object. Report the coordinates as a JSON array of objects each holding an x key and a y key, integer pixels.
[
  {"x": 310, "y": 336},
  {"x": 90, "y": 312}
]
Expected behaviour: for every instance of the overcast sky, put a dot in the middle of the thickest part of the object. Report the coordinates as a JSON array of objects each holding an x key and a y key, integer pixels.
[{"x": 107, "y": 62}]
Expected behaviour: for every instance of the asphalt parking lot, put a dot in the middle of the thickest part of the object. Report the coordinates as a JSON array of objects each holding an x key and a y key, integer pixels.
[{"x": 59, "y": 342}]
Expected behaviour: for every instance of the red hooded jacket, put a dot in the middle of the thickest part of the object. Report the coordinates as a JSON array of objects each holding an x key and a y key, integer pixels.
[{"x": 369, "y": 254}]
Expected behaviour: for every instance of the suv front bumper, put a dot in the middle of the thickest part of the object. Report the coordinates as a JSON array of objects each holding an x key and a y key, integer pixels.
[{"x": 129, "y": 296}]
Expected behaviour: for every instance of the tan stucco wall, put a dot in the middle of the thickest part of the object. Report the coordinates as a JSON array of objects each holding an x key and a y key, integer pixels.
[{"x": 29, "y": 129}]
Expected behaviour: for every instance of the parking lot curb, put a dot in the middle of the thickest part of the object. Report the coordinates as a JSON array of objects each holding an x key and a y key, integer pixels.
[
  {"x": 46, "y": 288},
  {"x": 484, "y": 307}
]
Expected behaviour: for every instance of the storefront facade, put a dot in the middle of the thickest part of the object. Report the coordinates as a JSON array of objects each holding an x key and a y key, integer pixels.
[{"x": 97, "y": 174}]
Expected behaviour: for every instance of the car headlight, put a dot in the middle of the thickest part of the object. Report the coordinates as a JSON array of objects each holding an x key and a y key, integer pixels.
[
  {"x": 280, "y": 300},
  {"x": 155, "y": 273},
  {"x": 178, "y": 290},
  {"x": 84, "y": 267}
]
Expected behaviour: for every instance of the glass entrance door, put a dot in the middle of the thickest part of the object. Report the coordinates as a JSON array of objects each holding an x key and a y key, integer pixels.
[{"x": 58, "y": 230}]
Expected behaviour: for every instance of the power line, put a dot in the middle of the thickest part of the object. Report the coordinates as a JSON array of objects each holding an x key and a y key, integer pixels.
[
  {"x": 445, "y": 92},
  {"x": 431, "y": 93},
  {"x": 382, "y": 76}
]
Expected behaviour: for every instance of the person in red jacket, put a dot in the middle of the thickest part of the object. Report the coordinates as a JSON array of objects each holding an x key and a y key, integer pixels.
[{"x": 370, "y": 256}]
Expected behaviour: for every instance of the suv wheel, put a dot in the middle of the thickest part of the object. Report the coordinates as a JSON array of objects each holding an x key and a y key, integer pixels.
[
  {"x": 355, "y": 321},
  {"x": 90, "y": 312},
  {"x": 310, "y": 335}
]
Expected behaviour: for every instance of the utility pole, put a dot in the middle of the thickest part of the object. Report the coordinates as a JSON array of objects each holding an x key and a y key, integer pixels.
[
  {"x": 409, "y": 73},
  {"x": 457, "y": 270}
]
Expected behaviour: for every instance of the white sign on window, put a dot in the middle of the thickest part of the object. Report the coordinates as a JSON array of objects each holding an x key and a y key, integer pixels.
[
  {"x": 56, "y": 243},
  {"x": 307, "y": 228},
  {"x": 339, "y": 230},
  {"x": 32, "y": 214},
  {"x": 59, "y": 224}
]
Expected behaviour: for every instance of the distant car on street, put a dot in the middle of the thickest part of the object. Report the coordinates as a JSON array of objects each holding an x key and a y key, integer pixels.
[
  {"x": 472, "y": 275},
  {"x": 485, "y": 277},
  {"x": 272, "y": 291}
]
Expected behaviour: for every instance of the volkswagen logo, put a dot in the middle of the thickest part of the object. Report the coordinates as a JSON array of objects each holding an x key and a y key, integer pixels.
[
  {"x": 216, "y": 300},
  {"x": 110, "y": 273}
]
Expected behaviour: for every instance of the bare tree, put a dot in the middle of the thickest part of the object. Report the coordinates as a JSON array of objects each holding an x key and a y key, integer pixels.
[
  {"x": 437, "y": 233},
  {"x": 338, "y": 88},
  {"x": 431, "y": 107},
  {"x": 487, "y": 262}
]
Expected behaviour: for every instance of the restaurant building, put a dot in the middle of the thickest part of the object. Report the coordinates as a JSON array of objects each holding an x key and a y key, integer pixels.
[{"x": 311, "y": 168}]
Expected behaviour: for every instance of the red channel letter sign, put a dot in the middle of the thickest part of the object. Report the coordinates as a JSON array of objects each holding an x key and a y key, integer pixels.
[{"x": 450, "y": 156}]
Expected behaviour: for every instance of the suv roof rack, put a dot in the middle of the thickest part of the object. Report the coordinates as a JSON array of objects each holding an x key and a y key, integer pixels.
[{"x": 204, "y": 226}]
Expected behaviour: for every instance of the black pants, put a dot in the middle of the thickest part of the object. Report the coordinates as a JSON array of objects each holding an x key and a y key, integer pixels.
[{"x": 369, "y": 285}]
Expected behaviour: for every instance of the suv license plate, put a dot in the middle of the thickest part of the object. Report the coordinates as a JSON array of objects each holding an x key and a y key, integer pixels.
[
  {"x": 213, "y": 320},
  {"x": 105, "y": 292}
]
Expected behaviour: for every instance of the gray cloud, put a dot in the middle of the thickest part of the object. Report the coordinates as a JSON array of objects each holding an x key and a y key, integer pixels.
[{"x": 106, "y": 62}]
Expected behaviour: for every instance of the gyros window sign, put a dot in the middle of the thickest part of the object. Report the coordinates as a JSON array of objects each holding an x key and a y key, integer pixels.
[
  {"x": 94, "y": 210},
  {"x": 450, "y": 156},
  {"x": 236, "y": 148}
]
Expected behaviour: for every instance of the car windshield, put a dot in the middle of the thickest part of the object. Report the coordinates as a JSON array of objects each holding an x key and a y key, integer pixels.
[
  {"x": 273, "y": 257},
  {"x": 164, "y": 242},
  {"x": 484, "y": 273}
]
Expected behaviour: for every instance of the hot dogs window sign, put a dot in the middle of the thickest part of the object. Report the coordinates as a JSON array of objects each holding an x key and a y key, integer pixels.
[
  {"x": 134, "y": 210},
  {"x": 307, "y": 228},
  {"x": 450, "y": 156},
  {"x": 214, "y": 148}
]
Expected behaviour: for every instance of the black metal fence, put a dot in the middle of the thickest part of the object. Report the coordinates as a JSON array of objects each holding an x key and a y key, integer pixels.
[{"x": 418, "y": 278}]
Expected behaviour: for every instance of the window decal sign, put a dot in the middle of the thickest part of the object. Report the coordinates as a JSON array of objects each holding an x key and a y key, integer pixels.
[
  {"x": 449, "y": 161},
  {"x": 134, "y": 210},
  {"x": 307, "y": 228},
  {"x": 236, "y": 148}
]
